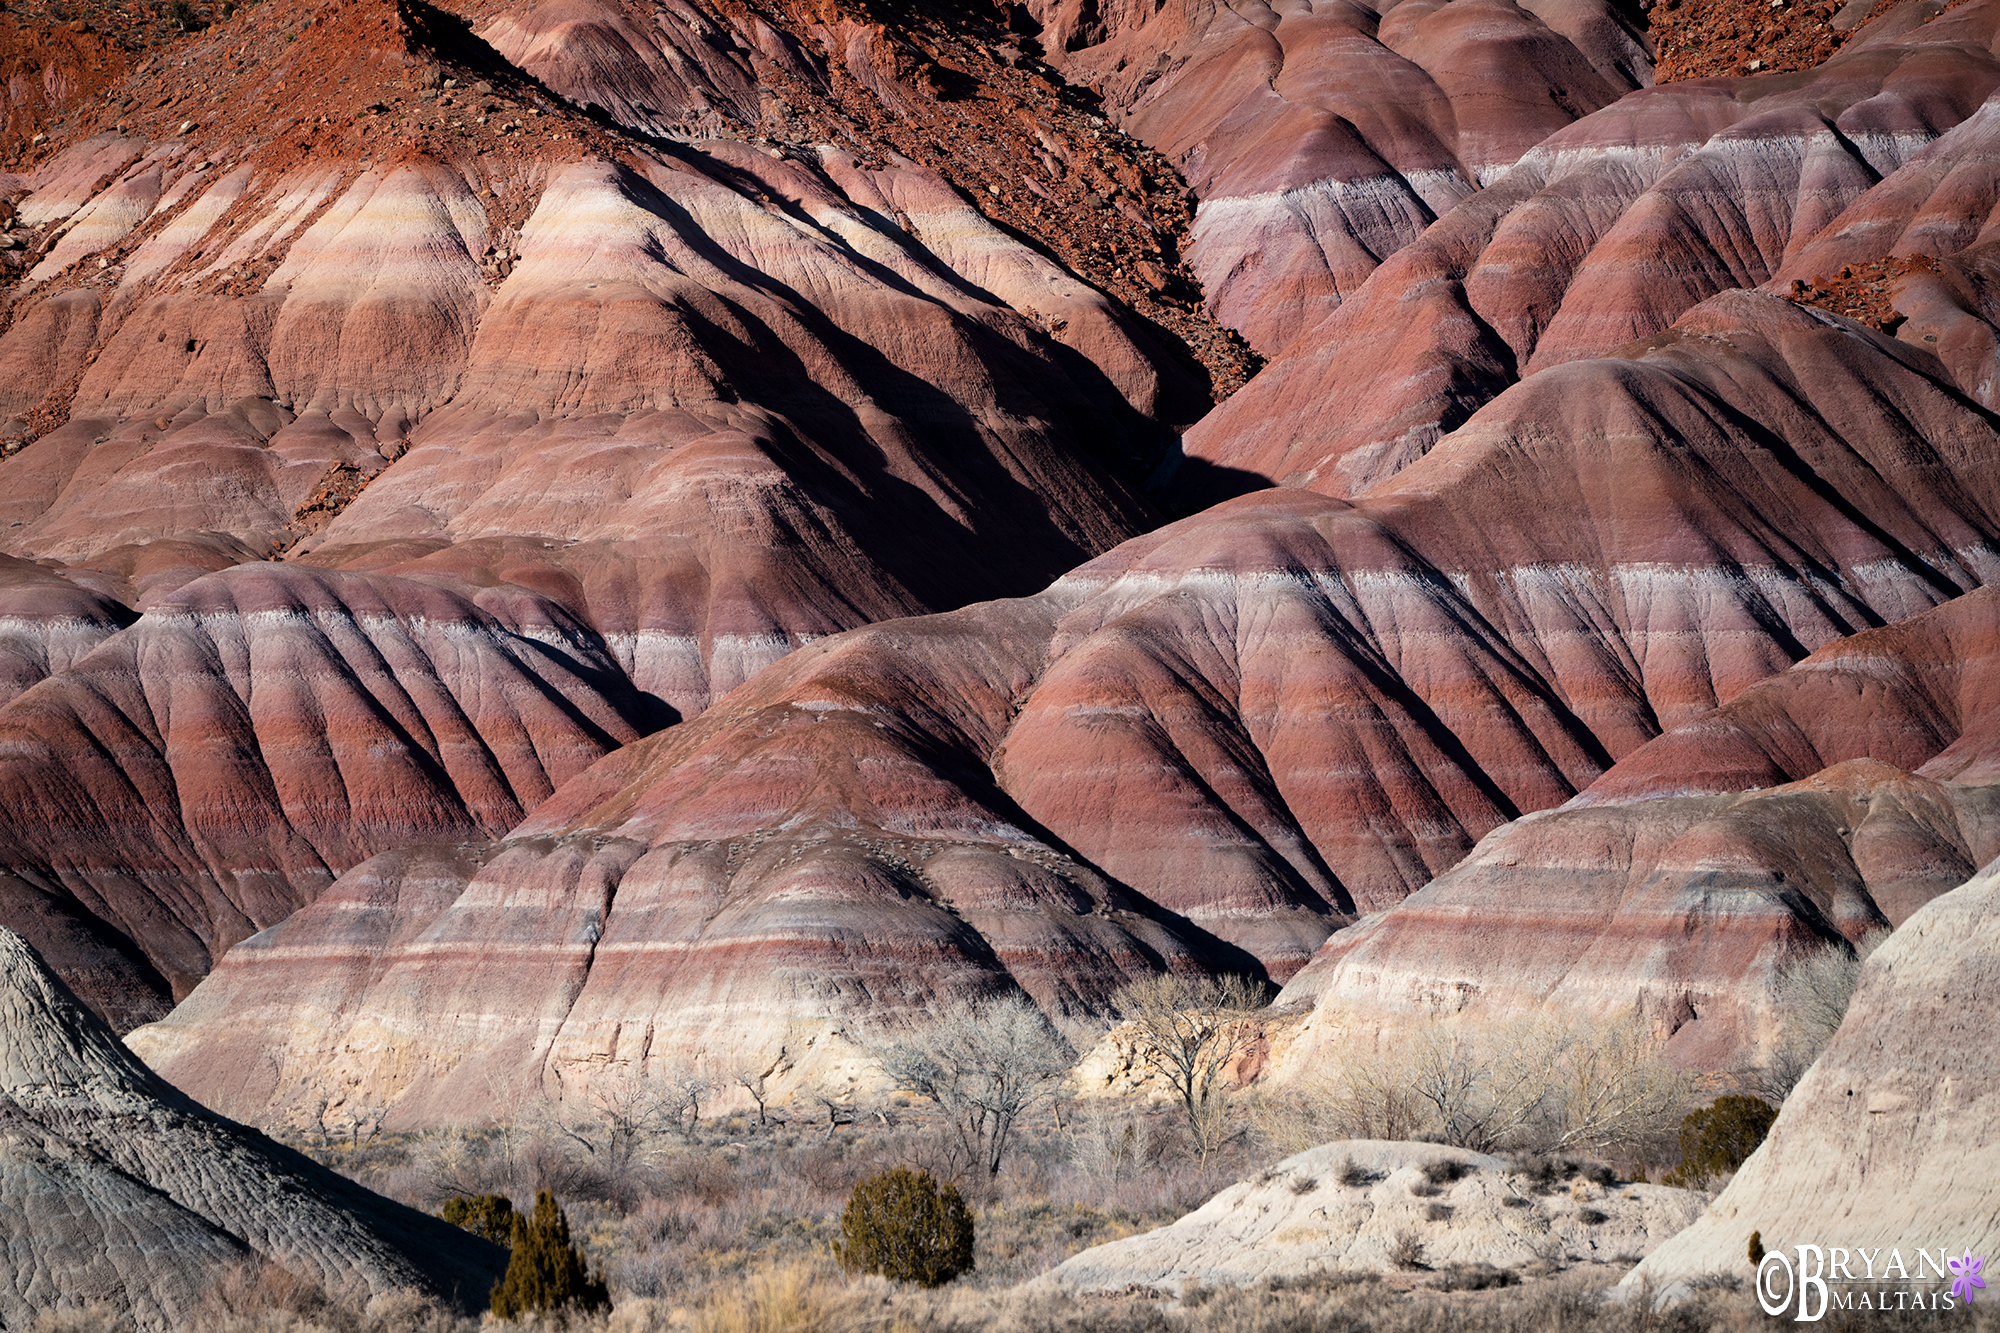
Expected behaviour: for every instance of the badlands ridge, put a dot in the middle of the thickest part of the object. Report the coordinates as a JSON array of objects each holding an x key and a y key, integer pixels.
[{"x": 545, "y": 542}]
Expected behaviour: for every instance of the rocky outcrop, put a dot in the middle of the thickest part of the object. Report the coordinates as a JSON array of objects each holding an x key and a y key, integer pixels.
[
  {"x": 1888, "y": 1142},
  {"x": 1346, "y": 1207},
  {"x": 117, "y": 1191}
]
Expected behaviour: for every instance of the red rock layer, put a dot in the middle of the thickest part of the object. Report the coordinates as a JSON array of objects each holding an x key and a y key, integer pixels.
[
  {"x": 1231, "y": 735},
  {"x": 1612, "y": 229},
  {"x": 208, "y": 771},
  {"x": 821, "y": 850},
  {"x": 1688, "y": 873},
  {"x": 1685, "y": 907},
  {"x": 656, "y": 412},
  {"x": 1322, "y": 140},
  {"x": 1922, "y": 695}
]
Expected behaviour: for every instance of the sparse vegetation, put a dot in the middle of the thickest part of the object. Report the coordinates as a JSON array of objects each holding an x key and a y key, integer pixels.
[
  {"x": 1188, "y": 1031},
  {"x": 1718, "y": 1139},
  {"x": 907, "y": 1227},
  {"x": 984, "y": 1065},
  {"x": 546, "y": 1271},
  {"x": 1546, "y": 1084},
  {"x": 1813, "y": 993},
  {"x": 488, "y": 1215}
]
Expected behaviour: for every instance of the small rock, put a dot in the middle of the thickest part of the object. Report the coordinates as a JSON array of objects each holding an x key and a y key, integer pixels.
[{"x": 187, "y": 127}]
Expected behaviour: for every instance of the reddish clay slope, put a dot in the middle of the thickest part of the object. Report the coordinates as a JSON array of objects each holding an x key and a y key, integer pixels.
[
  {"x": 208, "y": 771},
  {"x": 1611, "y": 230},
  {"x": 816, "y": 854},
  {"x": 1687, "y": 874},
  {"x": 1322, "y": 139},
  {"x": 1238, "y": 730},
  {"x": 1922, "y": 695},
  {"x": 594, "y": 425}
]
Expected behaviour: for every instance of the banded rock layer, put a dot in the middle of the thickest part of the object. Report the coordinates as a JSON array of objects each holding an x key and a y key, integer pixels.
[
  {"x": 1686, "y": 876},
  {"x": 206, "y": 772},
  {"x": 1616, "y": 227},
  {"x": 1323, "y": 139},
  {"x": 1242, "y": 730}
]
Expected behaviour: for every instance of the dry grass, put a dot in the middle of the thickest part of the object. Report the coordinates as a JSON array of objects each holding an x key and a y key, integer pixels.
[{"x": 731, "y": 1232}]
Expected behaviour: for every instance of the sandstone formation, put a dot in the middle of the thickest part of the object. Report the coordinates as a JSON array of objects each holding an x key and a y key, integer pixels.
[
  {"x": 117, "y": 1191},
  {"x": 1889, "y": 1141},
  {"x": 1304, "y": 1217}
]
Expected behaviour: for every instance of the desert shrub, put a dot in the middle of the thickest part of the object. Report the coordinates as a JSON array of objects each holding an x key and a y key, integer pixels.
[
  {"x": 794, "y": 1296},
  {"x": 1717, "y": 1140},
  {"x": 906, "y": 1226},
  {"x": 545, "y": 1271},
  {"x": 1438, "y": 1212},
  {"x": 1444, "y": 1170},
  {"x": 1352, "y": 1173},
  {"x": 1477, "y": 1277},
  {"x": 1549, "y": 1082},
  {"x": 1406, "y": 1249},
  {"x": 1304, "y": 1184},
  {"x": 488, "y": 1215},
  {"x": 1590, "y": 1217},
  {"x": 1543, "y": 1174}
]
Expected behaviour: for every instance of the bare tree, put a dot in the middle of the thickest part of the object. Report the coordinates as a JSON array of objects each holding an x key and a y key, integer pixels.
[
  {"x": 1813, "y": 992},
  {"x": 1609, "y": 1084},
  {"x": 983, "y": 1064},
  {"x": 1188, "y": 1030},
  {"x": 755, "y": 1077},
  {"x": 1546, "y": 1083}
]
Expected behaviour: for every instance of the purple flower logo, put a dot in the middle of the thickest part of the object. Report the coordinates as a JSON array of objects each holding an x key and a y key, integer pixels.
[{"x": 1965, "y": 1275}]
